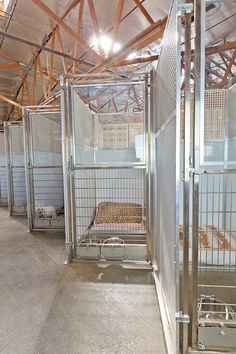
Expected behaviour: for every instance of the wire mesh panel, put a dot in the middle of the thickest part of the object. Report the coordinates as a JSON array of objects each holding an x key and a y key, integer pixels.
[
  {"x": 44, "y": 168},
  {"x": 3, "y": 172},
  {"x": 110, "y": 207},
  {"x": 16, "y": 168},
  {"x": 165, "y": 255},
  {"x": 217, "y": 260}
]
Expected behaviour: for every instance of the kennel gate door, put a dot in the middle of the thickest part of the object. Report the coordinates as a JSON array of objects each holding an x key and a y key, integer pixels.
[{"x": 46, "y": 176}]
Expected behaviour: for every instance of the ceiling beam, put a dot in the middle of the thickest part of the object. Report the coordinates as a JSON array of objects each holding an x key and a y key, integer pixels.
[
  {"x": 95, "y": 25},
  {"x": 8, "y": 56},
  {"x": 4, "y": 98},
  {"x": 41, "y": 47},
  {"x": 220, "y": 48},
  {"x": 146, "y": 37},
  {"x": 136, "y": 60},
  {"x": 66, "y": 28},
  {"x": 33, "y": 62},
  {"x": 73, "y": 4},
  {"x": 117, "y": 20},
  {"x": 228, "y": 70},
  {"x": 10, "y": 66},
  {"x": 144, "y": 11},
  {"x": 79, "y": 28}
]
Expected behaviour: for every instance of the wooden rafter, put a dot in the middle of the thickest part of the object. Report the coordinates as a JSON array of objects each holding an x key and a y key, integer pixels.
[
  {"x": 8, "y": 56},
  {"x": 14, "y": 103},
  {"x": 95, "y": 25},
  {"x": 149, "y": 35},
  {"x": 76, "y": 48},
  {"x": 27, "y": 90},
  {"x": 62, "y": 49},
  {"x": 42, "y": 77},
  {"x": 136, "y": 60},
  {"x": 228, "y": 70},
  {"x": 50, "y": 74},
  {"x": 223, "y": 59},
  {"x": 34, "y": 82},
  {"x": 66, "y": 28},
  {"x": 117, "y": 20},
  {"x": 211, "y": 50},
  {"x": 72, "y": 5},
  {"x": 144, "y": 11},
  {"x": 10, "y": 66}
]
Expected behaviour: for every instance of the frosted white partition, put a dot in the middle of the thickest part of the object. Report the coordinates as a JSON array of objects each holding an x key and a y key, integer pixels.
[
  {"x": 16, "y": 168},
  {"x": 3, "y": 172},
  {"x": 107, "y": 136},
  {"x": 166, "y": 178}
]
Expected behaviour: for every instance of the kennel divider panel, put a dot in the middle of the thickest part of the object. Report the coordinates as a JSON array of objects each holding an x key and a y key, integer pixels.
[
  {"x": 3, "y": 172},
  {"x": 44, "y": 169},
  {"x": 16, "y": 168},
  {"x": 167, "y": 175}
]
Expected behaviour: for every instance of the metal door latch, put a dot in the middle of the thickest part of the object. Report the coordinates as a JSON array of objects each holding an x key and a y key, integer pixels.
[
  {"x": 184, "y": 9},
  {"x": 182, "y": 318}
]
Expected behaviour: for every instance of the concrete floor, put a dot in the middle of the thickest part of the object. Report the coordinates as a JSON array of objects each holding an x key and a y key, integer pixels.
[{"x": 49, "y": 308}]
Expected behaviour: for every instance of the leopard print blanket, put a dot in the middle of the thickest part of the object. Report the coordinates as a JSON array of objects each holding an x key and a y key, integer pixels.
[{"x": 118, "y": 213}]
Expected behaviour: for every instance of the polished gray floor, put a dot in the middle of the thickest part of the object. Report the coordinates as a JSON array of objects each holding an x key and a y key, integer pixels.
[{"x": 49, "y": 308}]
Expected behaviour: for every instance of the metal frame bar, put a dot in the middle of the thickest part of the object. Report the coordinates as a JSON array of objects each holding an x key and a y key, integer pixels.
[
  {"x": 4, "y": 168},
  {"x": 186, "y": 179},
  {"x": 66, "y": 157},
  {"x": 199, "y": 89}
]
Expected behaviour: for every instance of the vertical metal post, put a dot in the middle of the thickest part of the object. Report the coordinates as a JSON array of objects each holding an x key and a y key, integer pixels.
[
  {"x": 177, "y": 171},
  {"x": 152, "y": 169},
  {"x": 27, "y": 166},
  {"x": 186, "y": 177},
  {"x": 146, "y": 117},
  {"x": 72, "y": 157},
  {"x": 9, "y": 168},
  {"x": 66, "y": 168},
  {"x": 199, "y": 89}
]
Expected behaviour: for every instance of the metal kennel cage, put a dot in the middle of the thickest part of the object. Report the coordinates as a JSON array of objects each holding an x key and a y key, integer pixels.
[
  {"x": 44, "y": 175},
  {"x": 105, "y": 138},
  {"x": 3, "y": 172},
  {"x": 15, "y": 168},
  {"x": 207, "y": 236}
]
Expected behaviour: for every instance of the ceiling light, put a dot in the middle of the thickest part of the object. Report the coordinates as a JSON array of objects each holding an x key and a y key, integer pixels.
[
  {"x": 105, "y": 42},
  {"x": 116, "y": 47},
  {"x": 132, "y": 55}
]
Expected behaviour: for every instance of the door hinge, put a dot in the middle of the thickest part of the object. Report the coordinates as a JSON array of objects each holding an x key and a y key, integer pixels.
[{"x": 182, "y": 318}]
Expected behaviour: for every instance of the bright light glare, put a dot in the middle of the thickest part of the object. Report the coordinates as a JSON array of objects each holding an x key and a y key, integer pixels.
[
  {"x": 116, "y": 47},
  {"x": 105, "y": 43},
  {"x": 132, "y": 55}
]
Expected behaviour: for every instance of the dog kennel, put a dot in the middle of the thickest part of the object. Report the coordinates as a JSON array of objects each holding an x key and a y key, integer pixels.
[
  {"x": 15, "y": 168},
  {"x": 193, "y": 185},
  {"x": 207, "y": 239},
  {"x": 43, "y": 168},
  {"x": 149, "y": 175},
  {"x": 3, "y": 172},
  {"x": 105, "y": 151}
]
